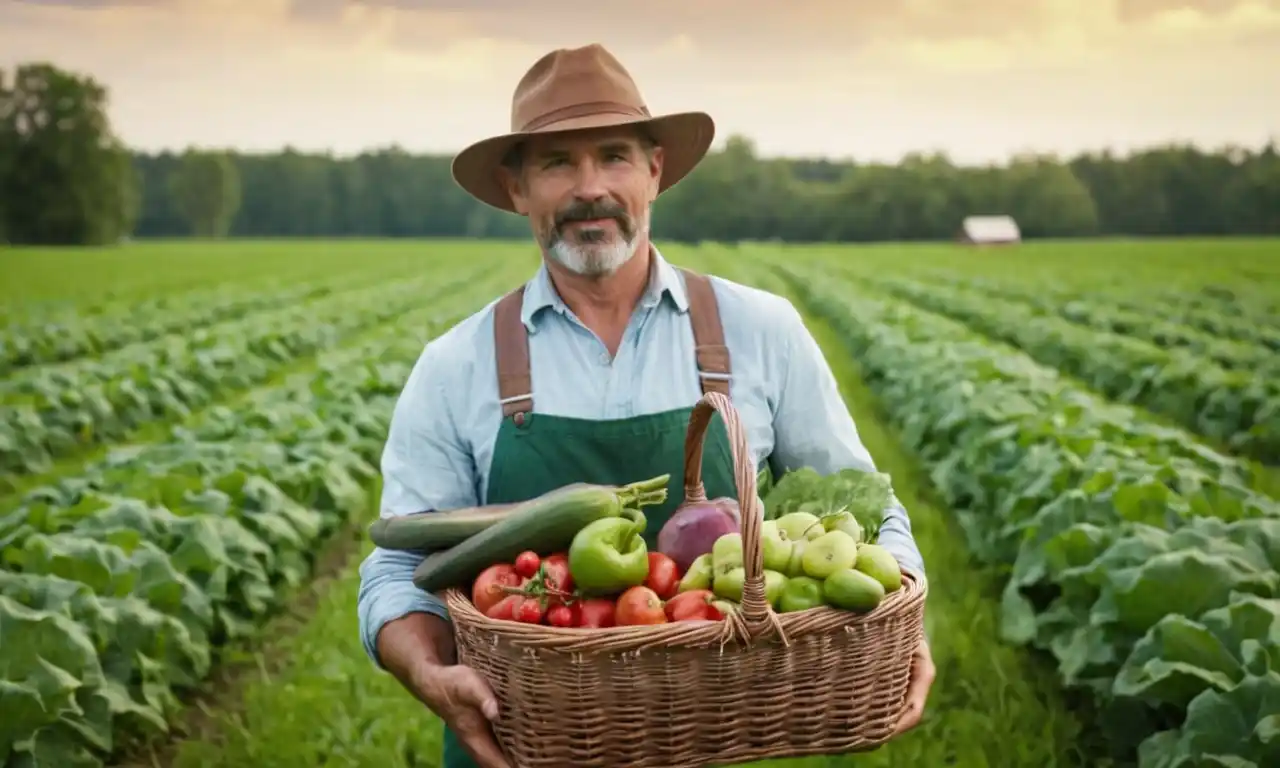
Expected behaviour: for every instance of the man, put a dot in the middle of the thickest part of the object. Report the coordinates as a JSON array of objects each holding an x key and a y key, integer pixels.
[{"x": 589, "y": 372}]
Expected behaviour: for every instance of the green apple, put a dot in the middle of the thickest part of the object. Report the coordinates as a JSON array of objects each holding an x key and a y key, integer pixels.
[
  {"x": 852, "y": 590},
  {"x": 795, "y": 564},
  {"x": 699, "y": 574},
  {"x": 726, "y": 553},
  {"x": 844, "y": 521},
  {"x": 876, "y": 561},
  {"x": 776, "y": 547},
  {"x": 728, "y": 584},
  {"x": 800, "y": 526},
  {"x": 774, "y": 584},
  {"x": 830, "y": 552},
  {"x": 801, "y": 594}
]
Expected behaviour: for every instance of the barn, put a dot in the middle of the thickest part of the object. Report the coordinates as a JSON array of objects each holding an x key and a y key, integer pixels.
[{"x": 989, "y": 230}]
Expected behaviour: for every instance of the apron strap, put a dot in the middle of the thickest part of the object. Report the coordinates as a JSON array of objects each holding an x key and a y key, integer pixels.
[
  {"x": 511, "y": 346},
  {"x": 708, "y": 334}
]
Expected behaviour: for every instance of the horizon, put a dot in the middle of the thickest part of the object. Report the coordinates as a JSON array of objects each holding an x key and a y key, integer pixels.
[
  {"x": 1272, "y": 142},
  {"x": 981, "y": 85}
]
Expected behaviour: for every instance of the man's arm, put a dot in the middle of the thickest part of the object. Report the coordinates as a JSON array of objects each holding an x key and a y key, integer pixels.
[
  {"x": 424, "y": 467},
  {"x": 813, "y": 428}
]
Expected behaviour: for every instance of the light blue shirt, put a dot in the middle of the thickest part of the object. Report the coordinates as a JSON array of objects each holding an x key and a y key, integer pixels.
[{"x": 441, "y": 440}]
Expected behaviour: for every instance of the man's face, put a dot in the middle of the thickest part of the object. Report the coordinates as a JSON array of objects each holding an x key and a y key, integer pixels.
[{"x": 587, "y": 196}]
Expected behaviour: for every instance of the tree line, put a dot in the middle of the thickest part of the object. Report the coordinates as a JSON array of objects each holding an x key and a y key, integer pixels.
[{"x": 65, "y": 178}]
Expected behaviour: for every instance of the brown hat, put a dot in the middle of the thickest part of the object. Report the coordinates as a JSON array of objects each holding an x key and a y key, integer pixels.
[{"x": 573, "y": 89}]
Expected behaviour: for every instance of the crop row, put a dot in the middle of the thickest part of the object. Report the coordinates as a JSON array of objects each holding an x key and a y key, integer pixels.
[
  {"x": 53, "y": 411},
  {"x": 1166, "y": 313},
  {"x": 1241, "y": 408},
  {"x": 1210, "y": 300},
  {"x": 1106, "y": 315},
  {"x": 36, "y": 335},
  {"x": 74, "y": 334},
  {"x": 1141, "y": 560},
  {"x": 120, "y": 583}
]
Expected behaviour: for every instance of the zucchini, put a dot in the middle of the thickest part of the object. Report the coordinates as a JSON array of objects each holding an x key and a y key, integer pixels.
[
  {"x": 435, "y": 530},
  {"x": 544, "y": 524}
]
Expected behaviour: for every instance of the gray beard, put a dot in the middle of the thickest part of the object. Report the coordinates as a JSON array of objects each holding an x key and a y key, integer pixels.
[{"x": 595, "y": 255}]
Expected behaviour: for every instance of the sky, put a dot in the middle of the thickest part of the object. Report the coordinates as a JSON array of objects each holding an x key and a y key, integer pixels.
[{"x": 868, "y": 79}]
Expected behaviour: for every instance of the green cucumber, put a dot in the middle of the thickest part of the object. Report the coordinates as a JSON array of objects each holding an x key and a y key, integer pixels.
[
  {"x": 435, "y": 530},
  {"x": 544, "y": 524}
]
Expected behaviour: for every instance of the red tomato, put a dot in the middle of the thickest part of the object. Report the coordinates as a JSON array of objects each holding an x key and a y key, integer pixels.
[
  {"x": 556, "y": 576},
  {"x": 487, "y": 590},
  {"x": 560, "y": 616},
  {"x": 693, "y": 605},
  {"x": 664, "y": 575},
  {"x": 597, "y": 612},
  {"x": 557, "y": 570},
  {"x": 504, "y": 609},
  {"x": 640, "y": 605},
  {"x": 527, "y": 563},
  {"x": 529, "y": 611}
]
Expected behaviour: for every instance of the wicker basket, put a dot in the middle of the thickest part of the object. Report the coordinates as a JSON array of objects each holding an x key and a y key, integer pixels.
[{"x": 756, "y": 685}]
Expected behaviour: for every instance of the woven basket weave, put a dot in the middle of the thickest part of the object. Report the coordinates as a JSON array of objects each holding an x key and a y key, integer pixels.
[{"x": 687, "y": 694}]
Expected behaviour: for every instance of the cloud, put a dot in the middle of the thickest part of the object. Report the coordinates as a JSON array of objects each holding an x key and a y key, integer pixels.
[
  {"x": 91, "y": 4},
  {"x": 799, "y": 75},
  {"x": 1141, "y": 10}
]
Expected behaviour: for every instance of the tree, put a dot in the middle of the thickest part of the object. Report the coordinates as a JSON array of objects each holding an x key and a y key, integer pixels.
[
  {"x": 735, "y": 194},
  {"x": 65, "y": 178},
  {"x": 1048, "y": 200},
  {"x": 206, "y": 192}
]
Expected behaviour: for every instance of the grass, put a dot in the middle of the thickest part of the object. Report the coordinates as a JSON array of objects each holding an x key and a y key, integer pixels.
[
  {"x": 326, "y": 707},
  {"x": 1250, "y": 267},
  {"x": 310, "y": 698},
  {"x": 151, "y": 269}
]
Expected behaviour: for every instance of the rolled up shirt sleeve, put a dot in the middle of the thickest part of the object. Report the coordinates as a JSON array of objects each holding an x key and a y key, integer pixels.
[
  {"x": 813, "y": 428},
  {"x": 425, "y": 467}
]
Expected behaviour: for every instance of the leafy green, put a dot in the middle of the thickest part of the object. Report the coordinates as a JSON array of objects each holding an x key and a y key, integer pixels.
[
  {"x": 119, "y": 584},
  {"x": 1208, "y": 327},
  {"x": 1238, "y": 405},
  {"x": 56, "y": 410},
  {"x": 1146, "y": 562},
  {"x": 865, "y": 494},
  {"x": 56, "y": 337}
]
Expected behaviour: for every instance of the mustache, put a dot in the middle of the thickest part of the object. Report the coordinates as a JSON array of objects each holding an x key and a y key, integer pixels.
[{"x": 582, "y": 210}]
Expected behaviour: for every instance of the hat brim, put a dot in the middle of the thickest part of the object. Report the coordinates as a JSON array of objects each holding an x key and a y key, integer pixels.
[{"x": 685, "y": 138}]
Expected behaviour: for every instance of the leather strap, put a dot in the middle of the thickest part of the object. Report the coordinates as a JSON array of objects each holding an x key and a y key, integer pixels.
[
  {"x": 511, "y": 345},
  {"x": 708, "y": 334}
]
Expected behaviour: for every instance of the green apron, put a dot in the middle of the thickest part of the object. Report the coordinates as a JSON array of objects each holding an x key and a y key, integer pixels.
[{"x": 535, "y": 452}]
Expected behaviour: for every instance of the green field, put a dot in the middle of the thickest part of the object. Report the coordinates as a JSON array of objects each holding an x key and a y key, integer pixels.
[{"x": 1086, "y": 435}]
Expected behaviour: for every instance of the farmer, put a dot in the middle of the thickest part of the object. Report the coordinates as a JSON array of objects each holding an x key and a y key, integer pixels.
[{"x": 588, "y": 373}]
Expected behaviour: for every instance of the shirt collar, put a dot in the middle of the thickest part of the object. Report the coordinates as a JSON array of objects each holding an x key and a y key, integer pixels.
[{"x": 540, "y": 293}]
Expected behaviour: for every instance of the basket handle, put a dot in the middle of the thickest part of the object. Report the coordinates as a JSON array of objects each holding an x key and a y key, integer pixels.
[{"x": 757, "y": 614}]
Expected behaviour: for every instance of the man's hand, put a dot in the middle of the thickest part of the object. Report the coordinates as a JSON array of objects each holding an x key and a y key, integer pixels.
[
  {"x": 464, "y": 701},
  {"x": 418, "y": 650},
  {"x": 922, "y": 674}
]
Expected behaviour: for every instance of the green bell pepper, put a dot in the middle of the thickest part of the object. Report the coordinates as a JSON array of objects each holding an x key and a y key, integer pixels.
[{"x": 609, "y": 555}]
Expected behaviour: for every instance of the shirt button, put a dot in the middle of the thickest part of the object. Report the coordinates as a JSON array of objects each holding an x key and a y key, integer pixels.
[{"x": 604, "y": 358}]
